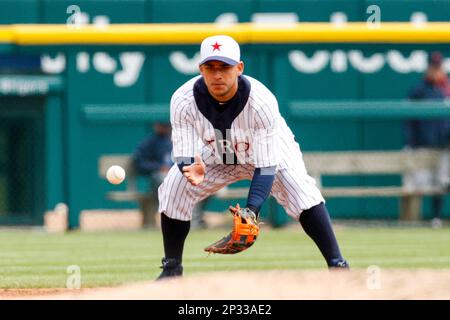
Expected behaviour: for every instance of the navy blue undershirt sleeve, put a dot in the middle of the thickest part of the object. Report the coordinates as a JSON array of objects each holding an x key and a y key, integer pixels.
[
  {"x": 184, "y": 161},
  {"x": 260, "y": 187}
]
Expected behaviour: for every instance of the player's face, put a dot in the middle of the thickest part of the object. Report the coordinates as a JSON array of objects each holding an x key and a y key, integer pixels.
[{"x": 221, "y": 78}]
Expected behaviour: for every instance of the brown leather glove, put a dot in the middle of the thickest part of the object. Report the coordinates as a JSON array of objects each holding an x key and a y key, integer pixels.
[{"x": 244, "y": 234}]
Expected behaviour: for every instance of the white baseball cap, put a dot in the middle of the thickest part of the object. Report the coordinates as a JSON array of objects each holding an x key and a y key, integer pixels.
[{"x": 221, "y": 48}]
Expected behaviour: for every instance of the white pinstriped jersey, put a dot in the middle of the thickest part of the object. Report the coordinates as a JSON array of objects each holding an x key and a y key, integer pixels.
[{"x": 257, "y": 135}]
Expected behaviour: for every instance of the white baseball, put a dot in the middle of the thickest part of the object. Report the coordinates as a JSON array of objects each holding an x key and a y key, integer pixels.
[{"x": 115, "y": 174}]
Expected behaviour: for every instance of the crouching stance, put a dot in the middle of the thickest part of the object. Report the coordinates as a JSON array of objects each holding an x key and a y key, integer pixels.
[{"x": 236, "y": 121}]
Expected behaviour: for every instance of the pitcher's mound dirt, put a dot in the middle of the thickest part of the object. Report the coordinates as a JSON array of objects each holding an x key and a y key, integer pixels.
[{"x": 357, "y": 284}]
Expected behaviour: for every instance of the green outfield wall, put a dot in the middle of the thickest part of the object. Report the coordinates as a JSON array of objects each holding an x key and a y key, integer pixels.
[{"x": 85, "y": 101}]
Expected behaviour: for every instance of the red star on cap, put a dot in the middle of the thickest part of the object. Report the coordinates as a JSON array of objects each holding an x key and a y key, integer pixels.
[{"x": 216, "y": 46}]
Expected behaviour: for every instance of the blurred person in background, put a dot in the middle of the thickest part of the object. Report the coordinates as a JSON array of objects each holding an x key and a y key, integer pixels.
[
  {"x": 431, "y": 133},
  {"x": 152, "y": 158}
]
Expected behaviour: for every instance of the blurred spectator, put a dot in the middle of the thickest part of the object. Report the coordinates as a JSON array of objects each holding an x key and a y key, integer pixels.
[
  {"x": 431, "y": 133},
  {"x": 152, "y": 158}
]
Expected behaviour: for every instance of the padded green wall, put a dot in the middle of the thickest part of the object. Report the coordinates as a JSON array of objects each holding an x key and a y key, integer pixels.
[{"x": 86, "y": 137}]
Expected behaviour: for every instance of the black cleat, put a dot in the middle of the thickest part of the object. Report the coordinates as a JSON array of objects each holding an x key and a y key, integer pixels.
[
  {"x": 340, "y": 264},
  {"x": 171, "y": 268}
]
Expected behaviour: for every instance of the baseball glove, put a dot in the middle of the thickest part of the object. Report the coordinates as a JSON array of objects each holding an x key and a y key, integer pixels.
[{"x": 244, "y": 234}]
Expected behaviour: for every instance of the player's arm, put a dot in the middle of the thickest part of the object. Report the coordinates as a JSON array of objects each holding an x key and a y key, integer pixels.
[
  {"x": 195, "y": 172},
  {"x": 260, "y": 188},
  {"x": 265, "y": 156},
  {"x": 184, "y": 140}
]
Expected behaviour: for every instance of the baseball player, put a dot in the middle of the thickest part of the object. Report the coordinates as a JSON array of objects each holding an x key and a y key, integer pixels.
[{"x": 226, "y": 127}]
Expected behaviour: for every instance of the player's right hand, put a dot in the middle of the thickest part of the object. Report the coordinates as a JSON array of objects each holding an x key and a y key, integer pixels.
[{"x": 195, "y": 173}]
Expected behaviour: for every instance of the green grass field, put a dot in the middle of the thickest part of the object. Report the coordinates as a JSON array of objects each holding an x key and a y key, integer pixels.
[{"x": 34, "y": 259}]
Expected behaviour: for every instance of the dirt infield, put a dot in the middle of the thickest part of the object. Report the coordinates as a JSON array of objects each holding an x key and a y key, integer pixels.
[{"x": 375, "y": 284}]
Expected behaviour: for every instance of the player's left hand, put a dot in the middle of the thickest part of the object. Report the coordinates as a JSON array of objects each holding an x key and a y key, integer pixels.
[
  {"x": 195, "y": 173},
  {"x": 244, "y": 234}
]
